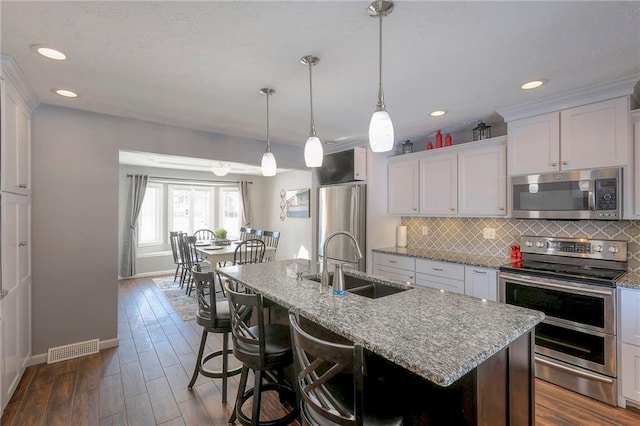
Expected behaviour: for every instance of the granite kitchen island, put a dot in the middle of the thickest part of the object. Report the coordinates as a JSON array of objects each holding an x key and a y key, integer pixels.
[{"x": 465, "y": 351}]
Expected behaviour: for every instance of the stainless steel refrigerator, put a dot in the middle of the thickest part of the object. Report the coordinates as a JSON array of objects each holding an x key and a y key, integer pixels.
[{"x": 343, "y": 208}]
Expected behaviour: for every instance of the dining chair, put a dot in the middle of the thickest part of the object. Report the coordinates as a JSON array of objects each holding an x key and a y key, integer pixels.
[
  {"x": 213, "y": 315},
  {"x": 204, "y": 235},
  {"x": 244, "y": 233},
  {"x": 174, "y": 239},
  {"x": 271, "y": 239},
  {"x": 332, "y": 386},
  {"x": 262, "y": 348},
  {"x": 255, "y": 234},
  {"x": 250, "y": 251},
  {"x": 191, "y": 259}
]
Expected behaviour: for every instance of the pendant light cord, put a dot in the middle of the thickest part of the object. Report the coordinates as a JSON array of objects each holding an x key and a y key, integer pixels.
[
  {"x": 380, "y": 105},
  {"x": 268, "y": 140},
  {"x": 312, "y": 131}
]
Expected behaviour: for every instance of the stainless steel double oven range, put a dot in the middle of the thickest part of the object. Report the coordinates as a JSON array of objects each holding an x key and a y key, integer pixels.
[{"x": 573, "y": 282}]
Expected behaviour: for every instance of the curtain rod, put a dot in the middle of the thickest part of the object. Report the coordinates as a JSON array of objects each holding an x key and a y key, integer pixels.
[{"x": 192, "y": 180}]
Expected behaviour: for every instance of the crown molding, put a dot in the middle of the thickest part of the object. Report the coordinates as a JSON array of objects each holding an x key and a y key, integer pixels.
[
  {"x": 11, "y": 71},
  {"x": 600, "y": 92}
]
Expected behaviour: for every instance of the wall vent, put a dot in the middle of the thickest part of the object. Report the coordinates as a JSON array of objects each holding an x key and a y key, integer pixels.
[{"x": 74, "y": 350}]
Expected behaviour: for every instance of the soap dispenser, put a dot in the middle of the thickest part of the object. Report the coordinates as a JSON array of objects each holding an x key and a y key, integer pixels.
[{"x": 338, "y": 279}]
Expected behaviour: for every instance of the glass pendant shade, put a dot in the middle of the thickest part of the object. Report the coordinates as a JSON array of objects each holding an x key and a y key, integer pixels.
[
  {"x": 268, "y": 164},
  {"x": 313, "y": 152},
  {"x": 381, "y": 132}
]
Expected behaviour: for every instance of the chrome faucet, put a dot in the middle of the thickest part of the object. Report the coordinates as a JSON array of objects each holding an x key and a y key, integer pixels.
[{"x": 324, "y": 281}]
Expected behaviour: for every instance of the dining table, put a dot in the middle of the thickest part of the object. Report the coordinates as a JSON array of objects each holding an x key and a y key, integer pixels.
[{"x": 215, "y": 254}]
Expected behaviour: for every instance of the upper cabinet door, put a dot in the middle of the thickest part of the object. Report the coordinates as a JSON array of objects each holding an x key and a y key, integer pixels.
[
  {"x": 438, "y": 184},
  {"x": 16, "y": 141},
  {"x": 534, "y": 144},
  {"x": 595, "y": 135},
  {"x": 402, "y": 196},
  {"x": 482, "y": 181}
]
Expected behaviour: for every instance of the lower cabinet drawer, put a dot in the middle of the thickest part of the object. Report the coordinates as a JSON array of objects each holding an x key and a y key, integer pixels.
[
  {"x": 454, "y": 271},
  {"x": 401, "y": 262},
  {"x": 395, "y": 273},
  {"x": 448, "y": 284}
]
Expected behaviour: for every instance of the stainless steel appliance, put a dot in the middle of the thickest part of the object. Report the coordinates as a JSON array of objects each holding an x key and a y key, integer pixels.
[
  {"x": 571, "y": 280},
  {"x": 342, "y": 208},
  {"x": 578, "y": 194}
]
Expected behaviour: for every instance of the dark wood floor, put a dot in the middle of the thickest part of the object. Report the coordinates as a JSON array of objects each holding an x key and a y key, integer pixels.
[{"x": 144, "y": 380}]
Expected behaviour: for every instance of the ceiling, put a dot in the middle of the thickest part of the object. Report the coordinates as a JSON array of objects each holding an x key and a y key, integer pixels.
[{"x": 201, "y": 64}]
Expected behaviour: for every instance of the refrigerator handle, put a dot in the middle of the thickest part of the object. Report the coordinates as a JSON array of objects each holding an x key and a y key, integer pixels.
[{"x": 355, "y": 208}]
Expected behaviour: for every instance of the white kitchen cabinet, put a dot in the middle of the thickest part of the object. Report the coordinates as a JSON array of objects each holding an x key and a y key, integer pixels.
[
  {"x": 15, "y": 158},
  {"x": 534, "y": 144},
  {"x": 461, "y": 180},
  {"x": 629, "y": 343},
  {"x": 402, "y": 196},
  {"x": 481, "y": 282},
  {"x": 584, "y": 137},
  {"x": 395, "y": 267},
  {"x": 16, "y": 103},
  {"x": 630, "y": 372},
  {"x": 442, "y": 275},
  {"x": 482, "y": 181},
  {"x": 439, "y": 184},
  {"x": 15, "y": 333},
  {"x": 632, "y": 174}
]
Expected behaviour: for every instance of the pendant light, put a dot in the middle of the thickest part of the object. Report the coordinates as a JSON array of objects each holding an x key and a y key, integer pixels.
[
  {"x": 313, "y": 151},
  {"x": 268, "y": 160},
  {"x": 221, "y": 168},
  {"x": 380, "y": 127}
]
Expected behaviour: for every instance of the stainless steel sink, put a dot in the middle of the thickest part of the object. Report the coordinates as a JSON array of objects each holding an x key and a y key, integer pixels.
[{"x": 363, "y": 287}]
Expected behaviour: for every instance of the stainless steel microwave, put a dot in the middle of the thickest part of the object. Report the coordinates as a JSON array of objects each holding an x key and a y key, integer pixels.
[{"x": 594, "y": 194}]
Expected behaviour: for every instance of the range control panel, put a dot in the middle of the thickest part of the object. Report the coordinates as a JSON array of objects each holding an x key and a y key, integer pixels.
[{"x": 575, "y": 247}]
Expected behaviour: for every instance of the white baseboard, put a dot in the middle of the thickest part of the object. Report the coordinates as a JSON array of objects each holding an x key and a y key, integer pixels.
[
  {"x": 42, "y": 358},
  {"x": 149, "y": 274}
]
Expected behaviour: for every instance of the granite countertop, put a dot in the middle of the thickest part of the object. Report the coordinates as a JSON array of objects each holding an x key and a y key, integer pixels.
[
  {"x": 438, "y": 335},
  {"x": 448, "y": 256},
  {"x": 629, "y": 280}
]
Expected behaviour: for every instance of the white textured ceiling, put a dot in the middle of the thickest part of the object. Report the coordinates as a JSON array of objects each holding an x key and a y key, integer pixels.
[{"x": 200, "y": 64}]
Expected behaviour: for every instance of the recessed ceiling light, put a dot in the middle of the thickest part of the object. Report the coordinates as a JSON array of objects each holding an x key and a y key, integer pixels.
[
  {"x": 66, "y": 93},
  {"x": 532, "y": 84},
  {"x": 437, "y": 113},
  {"x": 50, "y": 53}
]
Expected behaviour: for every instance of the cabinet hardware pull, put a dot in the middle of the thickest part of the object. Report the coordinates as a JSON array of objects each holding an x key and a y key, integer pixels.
[
  {"x": 554, "y": 164},
  {"x": 501, "y": 209},
  {"x": 22, "y": 243},
  {"x": 22, "y": 185},
  {"x": 452, "y": 209},
  {"x": 480, "y": 272},
  {"x": 393, "y": 261},
  {"x": 437, "y": 269},
  {"x": 414, "y": 209},
  {"x": 564, "y": 163}
]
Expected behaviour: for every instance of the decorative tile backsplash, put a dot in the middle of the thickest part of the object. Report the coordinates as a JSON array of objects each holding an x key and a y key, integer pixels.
[{"x": 464, "y": 235}]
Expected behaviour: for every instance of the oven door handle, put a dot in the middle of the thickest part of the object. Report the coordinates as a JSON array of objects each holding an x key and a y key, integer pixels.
[
  {"x": 575, "y": 371},
  {"x": 529, "y": 281}
]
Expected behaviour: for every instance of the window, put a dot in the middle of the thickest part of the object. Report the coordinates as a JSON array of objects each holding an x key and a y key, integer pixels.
[
  {"x": 186, "y": 208},
  {"x": 150, "y": 217},
  {"x": 230, "y": 217},
  {"x": 194, "y": 207}
]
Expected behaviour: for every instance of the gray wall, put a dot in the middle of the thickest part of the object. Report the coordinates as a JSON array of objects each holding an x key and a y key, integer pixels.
[{"x": 75, "y": 211}]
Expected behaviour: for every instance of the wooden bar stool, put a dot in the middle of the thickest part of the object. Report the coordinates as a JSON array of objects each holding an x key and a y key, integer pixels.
[
  {"x": 262, "y": 348},
  {"x": 214, "y": 317}
]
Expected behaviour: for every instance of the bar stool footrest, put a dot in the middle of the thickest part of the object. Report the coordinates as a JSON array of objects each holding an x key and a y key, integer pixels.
[{"x": 286, "y": 394}]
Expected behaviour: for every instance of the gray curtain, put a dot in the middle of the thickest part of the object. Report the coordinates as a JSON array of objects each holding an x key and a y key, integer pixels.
[
  {"x": 246, "y": 203},
  {"x": 137, "y": 188}
]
